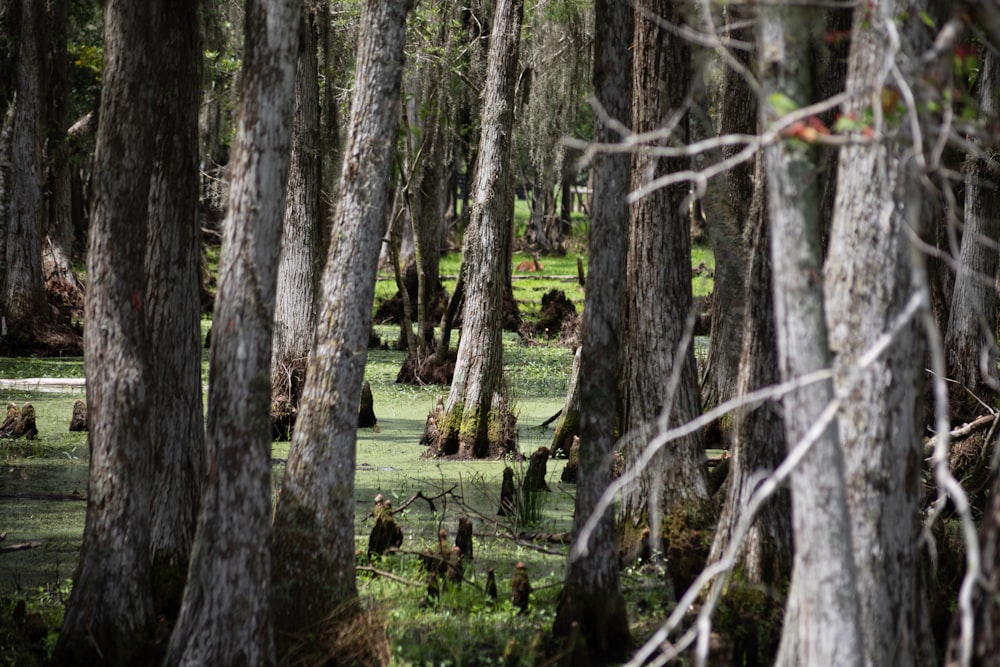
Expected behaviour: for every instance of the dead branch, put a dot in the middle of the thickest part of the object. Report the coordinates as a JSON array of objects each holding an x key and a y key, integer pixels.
[
  {"x": 387, "y": 575},
  {"x": 961, "y": 432},
  {"x": 20, "y": 547}
]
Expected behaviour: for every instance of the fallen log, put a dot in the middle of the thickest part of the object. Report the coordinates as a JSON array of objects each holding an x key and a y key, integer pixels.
[
  {"x": 19, "y": 547},
  {"x": 961, "y": 432}
]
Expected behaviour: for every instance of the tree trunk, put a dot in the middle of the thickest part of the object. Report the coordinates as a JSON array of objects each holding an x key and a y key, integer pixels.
[
  {"x": 658, "y": 297},
  {"x": 727, "y": 211},
  {"x": 970, "y": 343},
  {"x": 57, "y": 243},
  {"x": 478, "y": 420},
  {"x": 24, "y": 292},
  {"x": 821, "y": 614},
  {"x": 868, "y": 283},
  {"x": 298, "y": 269},
  {"x": 758, "y": 433},
  {"x": 314, "y": 561},
  {"x": 591, "y": 599},
  {"x": 173, "y": 312},
  {"x": 225, "y": 617},
  {"x": 110, "y": 609}
]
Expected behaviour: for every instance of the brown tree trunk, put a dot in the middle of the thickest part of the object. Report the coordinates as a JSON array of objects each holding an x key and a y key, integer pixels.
[
  {"x": 658, "y": 297},
  {"x": 313, "y": 578},
  {"x": 57, "y": 241},
  {"x": 591, "y": 601},
  {"x": 110, "y": 609},
  {"x": 727, "y": 211},
  {"x": 821, "y": 624},
  {"x": 478, "y": 420},
  {"x": 173, "y": 311},
  {"x": 225, "y": 617},
  {"x": 23, "y": 290}
]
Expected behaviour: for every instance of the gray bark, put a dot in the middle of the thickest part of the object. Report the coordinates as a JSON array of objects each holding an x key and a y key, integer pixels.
[
  {"x": 868, "y": 282},
  {"x": 173, "y": 312},
  {"x": 658, "y": 295},
  {"x": 970, "y": 343},
  {"x": 477, "y": 404},
  {"x": 110, "y": 608},
  {"x": 591, "y": 594},
  {"x": 821, "y": 624},
  {"x": 225, "y": 617},
  {"x": 299, "y": 268},
  {"x": 758, "y": 442},
  {"x": 314, "y": 520}
]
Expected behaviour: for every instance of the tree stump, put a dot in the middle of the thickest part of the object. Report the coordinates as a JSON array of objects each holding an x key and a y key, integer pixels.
[
  {"x": 572, "y": 470},
  {"x": 463, "y": 540},
  {"x": 366, "y": 414},
  {"x": 78, "y": 422},
  {"x": 386, "y": 533},
  {"x": 19, "y": 423},
  {"x": 508, "y": 494},
  {"x": 520, "y": 587},
  {"x": 534, "y": 480},
  {"x": 10, "y": 423}
]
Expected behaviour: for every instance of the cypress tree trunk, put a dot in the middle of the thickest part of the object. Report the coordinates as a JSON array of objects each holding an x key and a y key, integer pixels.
[
  {"x": 821, "y": 614},
  {"x": 173, "y": 314},
  {"x": 110, "y": 610},
  {"x": 658, "y": 296},
  {"x": 478, "y": 421},
  {"x": 313, "y": 578},
  {"x": 591, "y": 597},
  {"x": 225, "y": 616},
  {"x": 868, "y": 283}
]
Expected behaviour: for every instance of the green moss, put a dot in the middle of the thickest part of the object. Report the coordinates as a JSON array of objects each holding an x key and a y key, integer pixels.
[{"x": 749, "y": 618}]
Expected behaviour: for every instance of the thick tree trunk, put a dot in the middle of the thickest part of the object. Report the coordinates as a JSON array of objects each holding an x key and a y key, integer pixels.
[
  {"x": 591, "y": 599},
  {"x": 970, "y": 343},
  {"x": 313, "y": 578},
  {"x": 821, "y": 614},
  {"x": 225, "y": 617},
  {"x": 758, "y": 433},
  {"x": 298, "y": 269},
  {"x": 478, "y": 420},
  {"x": 658, "y": 296},
  {"x": 23, "y": 291},
  {"x": 110, "y": 609},
  {"x": 173, "y": 310},
  {"x": 57, "y": 242},
  {"x": 868, "y": 283}
]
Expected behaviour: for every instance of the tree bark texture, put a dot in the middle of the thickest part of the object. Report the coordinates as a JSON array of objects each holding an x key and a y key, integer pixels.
[
  {"x": 110, "y": 608},
  {"x": 658, "y": 288},
  {"x": 173, "y": 312},
  {"x": 299, "y": 267},
  {"x": 970, "y": 342},
  {"x": 57, "y": 242},
  {"x": 225, "y": 617},
  {"x": 314, "y": 520},
  {"x": 591, "y": 595},
  {"x": 758, "y": 432},
  {"x": 24, "y": 292},
  {"x": 868, "y": 283},
  {"x": 821, "y": 614},
  {"x": 727, "y": 210},
  {"x": 477, "y": 411}
]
